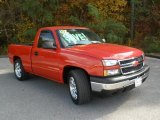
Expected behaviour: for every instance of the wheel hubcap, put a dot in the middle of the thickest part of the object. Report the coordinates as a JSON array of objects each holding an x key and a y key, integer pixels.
[
  {"x": 73, "y": 88},
  {"x": 18, "y": 70}
]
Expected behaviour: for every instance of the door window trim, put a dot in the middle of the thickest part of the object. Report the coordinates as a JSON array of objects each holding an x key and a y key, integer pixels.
[{"x": 52, "y": 36}]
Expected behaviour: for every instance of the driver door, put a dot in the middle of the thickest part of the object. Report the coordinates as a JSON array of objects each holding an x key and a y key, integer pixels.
[{"x": 45, "y": 56}]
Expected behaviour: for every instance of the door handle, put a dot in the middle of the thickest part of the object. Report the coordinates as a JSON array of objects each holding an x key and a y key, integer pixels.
[{"x": 36, "y": 53}]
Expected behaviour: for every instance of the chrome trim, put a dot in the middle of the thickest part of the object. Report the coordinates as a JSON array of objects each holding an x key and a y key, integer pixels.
[
  {"x": 73, "y": 88},
  {"x": 98, "y": 87},
  {"x": 129, "y": 59},
  {"x": 125, "y": 60},
  {"x": 18, "y": 70},
  {"x": 129, "y": 65},
  {"x": 131, "y": 71}
]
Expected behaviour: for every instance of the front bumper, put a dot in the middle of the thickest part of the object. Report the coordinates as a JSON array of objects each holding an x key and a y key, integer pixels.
[{"x": 100, "y": 84}]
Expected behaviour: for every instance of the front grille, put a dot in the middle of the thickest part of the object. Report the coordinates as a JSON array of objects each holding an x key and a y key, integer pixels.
[
  {"x": 132, "y": 69},
  {"x": 131, "y": 65},
  {"x": 130, "y": 61}
]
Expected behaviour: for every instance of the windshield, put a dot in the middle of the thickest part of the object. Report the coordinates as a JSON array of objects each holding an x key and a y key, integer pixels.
[{"x": 72, "y": 37}]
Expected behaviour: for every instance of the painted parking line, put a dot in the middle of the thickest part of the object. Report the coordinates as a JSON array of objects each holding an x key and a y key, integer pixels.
[{"x": 4, "y": 71}]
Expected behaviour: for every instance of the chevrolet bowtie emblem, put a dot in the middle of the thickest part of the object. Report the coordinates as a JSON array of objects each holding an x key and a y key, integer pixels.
[{"x": 135, "y": 63}]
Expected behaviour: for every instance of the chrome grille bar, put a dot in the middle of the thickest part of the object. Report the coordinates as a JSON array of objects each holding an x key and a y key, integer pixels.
[{"x": 131, "y": 65}]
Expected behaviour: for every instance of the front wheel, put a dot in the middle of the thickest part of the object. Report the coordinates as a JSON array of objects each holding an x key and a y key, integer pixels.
[
  {"x": 79, "y": 87},
  {"x": 19, "y": 70}
]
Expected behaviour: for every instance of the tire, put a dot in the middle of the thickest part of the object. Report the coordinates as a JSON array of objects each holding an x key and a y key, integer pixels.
[
  {"x": 19, "y": 71},
  {"x": 79, "y": 87}
]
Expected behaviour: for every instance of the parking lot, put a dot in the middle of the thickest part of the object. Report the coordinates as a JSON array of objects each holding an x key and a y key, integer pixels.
[{"x": 41, "y": 99}]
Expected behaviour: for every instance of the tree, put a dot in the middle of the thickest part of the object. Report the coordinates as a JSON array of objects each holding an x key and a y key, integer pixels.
[
  {"x": 7, "y": 19},
  {"x": 111, "y": 8},
  {"x": 87, "y": 14}
]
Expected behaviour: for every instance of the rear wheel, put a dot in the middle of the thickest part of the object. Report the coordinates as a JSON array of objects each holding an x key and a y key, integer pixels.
[
  {"x": 79, "y": 87},
  {"x": 19, "y": 70}
]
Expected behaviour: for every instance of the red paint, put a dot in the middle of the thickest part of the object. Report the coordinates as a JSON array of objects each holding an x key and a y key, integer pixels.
[{"x": 51, "y": 63}]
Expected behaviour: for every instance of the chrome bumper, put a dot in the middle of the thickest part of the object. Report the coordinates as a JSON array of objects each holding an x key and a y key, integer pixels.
[{"x": 121, "y": 82}]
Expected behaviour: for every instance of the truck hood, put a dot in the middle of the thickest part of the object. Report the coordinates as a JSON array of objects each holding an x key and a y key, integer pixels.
[{"x": 107, "y": 51}]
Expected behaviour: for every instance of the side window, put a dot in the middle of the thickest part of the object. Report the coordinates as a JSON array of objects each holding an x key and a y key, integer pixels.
[{"x": 46, "y": 40}]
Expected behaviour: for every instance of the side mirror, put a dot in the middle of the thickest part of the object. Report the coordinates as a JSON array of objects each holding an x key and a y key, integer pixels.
[
  {"x": 54, "y": 46},
  {"x": 104, "y": 40}
]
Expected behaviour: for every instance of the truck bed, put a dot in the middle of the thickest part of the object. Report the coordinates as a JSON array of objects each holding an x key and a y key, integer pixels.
[
  {"x": 22, "y": 50},
  {"x": 25, "y": 43}
]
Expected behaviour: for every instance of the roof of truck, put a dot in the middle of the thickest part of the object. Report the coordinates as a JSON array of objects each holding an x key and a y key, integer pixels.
[{"x": 63, "y": 27}]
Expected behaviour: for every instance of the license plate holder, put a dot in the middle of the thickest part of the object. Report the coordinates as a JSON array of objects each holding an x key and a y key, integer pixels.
[{"x": 138, "y": 81}]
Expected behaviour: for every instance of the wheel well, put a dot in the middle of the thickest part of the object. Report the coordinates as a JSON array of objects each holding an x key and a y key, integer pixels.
[
  {"x": 15, "y": 58},
  {"x": 69, "y": 68}
]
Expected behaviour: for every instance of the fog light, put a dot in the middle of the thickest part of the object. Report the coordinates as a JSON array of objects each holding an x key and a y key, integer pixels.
[{"x": 111, "y": 72}]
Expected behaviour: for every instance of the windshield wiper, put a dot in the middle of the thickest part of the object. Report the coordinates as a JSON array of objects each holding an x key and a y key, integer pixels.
[
  {"x": 74, "y": 45},
  {"x": 95, "y": 42}
]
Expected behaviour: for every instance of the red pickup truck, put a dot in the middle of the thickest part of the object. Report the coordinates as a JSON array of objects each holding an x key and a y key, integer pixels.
[{"x": 78, "y": 57}]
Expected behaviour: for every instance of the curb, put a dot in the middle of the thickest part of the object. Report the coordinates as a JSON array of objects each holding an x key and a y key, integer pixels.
[
  {"x": 3, "y": 56},
  {"x": 153, "y": 56}
]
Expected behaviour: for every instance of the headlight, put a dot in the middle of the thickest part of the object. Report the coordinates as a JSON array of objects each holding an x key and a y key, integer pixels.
[
  {"x": 109, "y": 62},
  {"x": 111, "y": 72}
]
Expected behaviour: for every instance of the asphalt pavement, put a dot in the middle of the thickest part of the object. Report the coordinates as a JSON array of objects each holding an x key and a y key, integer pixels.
[{"x": 42, "y": 99}]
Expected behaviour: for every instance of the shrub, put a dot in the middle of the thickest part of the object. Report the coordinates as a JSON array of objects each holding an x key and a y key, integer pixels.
[
  {"x": 151, "y": 44},
  {"x": 115, "y": 31}
]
